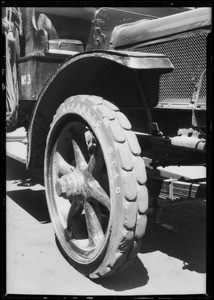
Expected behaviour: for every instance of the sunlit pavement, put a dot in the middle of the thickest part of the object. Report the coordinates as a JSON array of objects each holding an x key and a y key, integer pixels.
[{"x": 172, "y": 259}]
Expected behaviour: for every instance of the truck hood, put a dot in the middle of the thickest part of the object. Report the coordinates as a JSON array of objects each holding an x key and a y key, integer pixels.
[{"x": 141, "y": 31}]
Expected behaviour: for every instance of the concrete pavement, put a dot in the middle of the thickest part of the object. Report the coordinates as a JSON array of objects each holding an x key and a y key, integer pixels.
[{"x": 170, "y": 261}]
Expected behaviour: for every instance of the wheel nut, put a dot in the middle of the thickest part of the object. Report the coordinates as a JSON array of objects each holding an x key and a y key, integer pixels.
[{"x": 60, "y": 187}]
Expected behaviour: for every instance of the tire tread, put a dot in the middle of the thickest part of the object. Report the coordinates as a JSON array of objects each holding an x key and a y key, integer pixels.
[{"x": 135, "y": 179}]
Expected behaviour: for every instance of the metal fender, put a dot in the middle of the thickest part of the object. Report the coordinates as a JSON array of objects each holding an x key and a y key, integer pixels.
[{"x": 101, "y": 73}]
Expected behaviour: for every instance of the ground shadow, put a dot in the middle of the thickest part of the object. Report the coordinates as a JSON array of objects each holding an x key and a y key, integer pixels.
[
  {"x": 136, "y": 275},
  {"x": 15, "y": 170},
  {"x": 180, "y": 234},
  {"x": 34, "y": 202}
]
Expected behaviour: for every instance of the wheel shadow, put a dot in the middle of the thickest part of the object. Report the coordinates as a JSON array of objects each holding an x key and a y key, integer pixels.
[
  {"x": 15, "y": 170},
  {"x": 180, "y": 234},
  {"x": 136, "y": 275},
  {"x": 33, "y": 202}
]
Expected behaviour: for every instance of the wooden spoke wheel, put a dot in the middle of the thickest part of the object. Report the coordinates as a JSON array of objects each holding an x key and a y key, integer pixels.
[{"x": 95, "y": 185}]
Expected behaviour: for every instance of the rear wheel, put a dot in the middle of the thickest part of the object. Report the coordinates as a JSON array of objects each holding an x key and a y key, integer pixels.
[{"x": 95, "y": 185}]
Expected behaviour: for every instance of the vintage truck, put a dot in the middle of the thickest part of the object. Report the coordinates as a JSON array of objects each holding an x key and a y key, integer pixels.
[{"x": 109, "y": 97}]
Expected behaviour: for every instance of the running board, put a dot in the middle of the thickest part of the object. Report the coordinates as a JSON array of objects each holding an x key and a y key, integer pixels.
[
  {"x": 17, "y": 135},
  {"x": 17, "y": 151},
  {"x": 16, "y": 144}
]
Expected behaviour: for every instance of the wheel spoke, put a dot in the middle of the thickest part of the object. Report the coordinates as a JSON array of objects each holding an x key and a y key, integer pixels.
[
  {"x": 98, "y": 193},
  {"x": 91, "y": 164},
  {"x": 62, "y": 166},
  {"x": 96, "y": 163},
  {"x": 79, "y": 158},
  {"x": 93, "y": 222},
  {"x": 75, "y": 210}
]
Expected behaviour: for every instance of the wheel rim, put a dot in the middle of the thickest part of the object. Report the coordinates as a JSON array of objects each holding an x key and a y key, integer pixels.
[{"x": 78, "y": 186}]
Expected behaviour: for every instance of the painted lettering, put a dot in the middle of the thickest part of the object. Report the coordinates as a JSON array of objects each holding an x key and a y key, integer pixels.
[
  {"x": 73, "y": 105},
  {"x": 117, "y": 190},
  {"x": 25, "y": 79},
  {"x": 28, "y": 79},
  {"x": 110, "y": 150},
  {"x": 115, "y": 174},
  {"x": 114, "y": 162},
  {"x": 88, "y": 113}
]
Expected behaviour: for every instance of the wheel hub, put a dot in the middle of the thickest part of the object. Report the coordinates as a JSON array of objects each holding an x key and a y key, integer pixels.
[{"x": 71, "y": 185}]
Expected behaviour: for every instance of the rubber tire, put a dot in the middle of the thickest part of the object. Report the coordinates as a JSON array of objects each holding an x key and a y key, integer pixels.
[{"x": 127, "y": 176}]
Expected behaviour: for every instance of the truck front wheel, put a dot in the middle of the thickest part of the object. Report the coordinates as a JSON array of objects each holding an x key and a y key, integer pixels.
[{"x": 95, "y": 185}]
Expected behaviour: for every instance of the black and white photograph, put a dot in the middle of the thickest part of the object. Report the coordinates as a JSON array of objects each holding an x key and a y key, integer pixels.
[{"x": 107, "y": 148}]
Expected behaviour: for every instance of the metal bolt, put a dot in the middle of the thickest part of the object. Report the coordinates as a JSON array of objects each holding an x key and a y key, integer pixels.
[
  {"x": 60, "y": 187},
  {"x": 98, "y": 30}
]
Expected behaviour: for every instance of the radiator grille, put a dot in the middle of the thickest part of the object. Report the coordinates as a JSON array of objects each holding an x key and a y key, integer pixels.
[{"x": 188, "y": 55}]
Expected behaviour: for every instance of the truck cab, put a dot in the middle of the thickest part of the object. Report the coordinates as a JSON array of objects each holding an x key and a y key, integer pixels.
[{"x": 112, "y": 104}]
